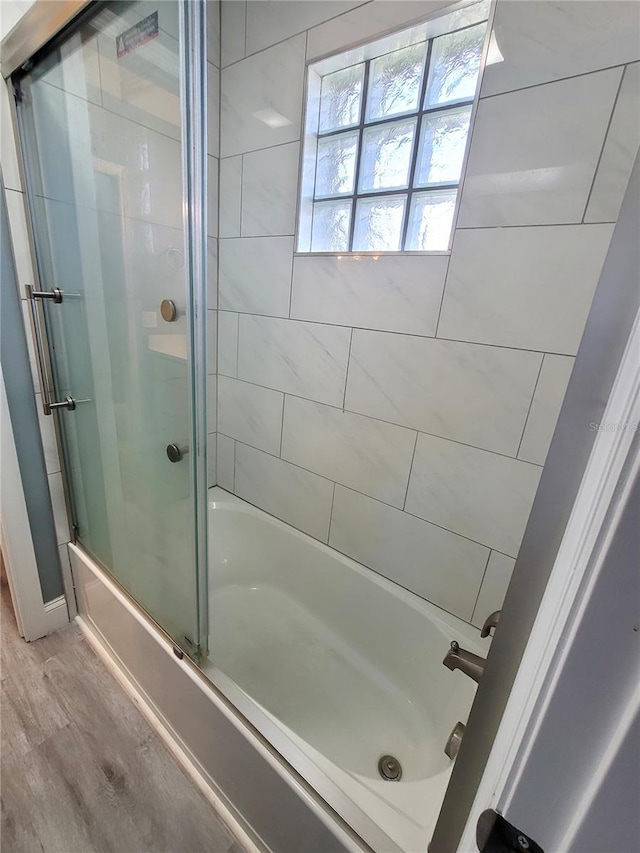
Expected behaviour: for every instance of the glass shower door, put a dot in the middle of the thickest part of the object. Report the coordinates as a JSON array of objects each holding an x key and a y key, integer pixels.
[{"x": 101, "y": 125}]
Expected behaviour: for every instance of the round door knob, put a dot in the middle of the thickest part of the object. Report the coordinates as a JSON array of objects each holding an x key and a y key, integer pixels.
[
  {"x": 168, "y": 310},
  {"x": 175, "y": 453}
]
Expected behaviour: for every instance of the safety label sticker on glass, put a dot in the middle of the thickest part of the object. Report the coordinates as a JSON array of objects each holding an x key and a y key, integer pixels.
[{"x": 136, "y": 36}]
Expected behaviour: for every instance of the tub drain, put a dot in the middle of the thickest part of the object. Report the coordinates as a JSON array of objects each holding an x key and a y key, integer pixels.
[{"x": 390, "y": 768}]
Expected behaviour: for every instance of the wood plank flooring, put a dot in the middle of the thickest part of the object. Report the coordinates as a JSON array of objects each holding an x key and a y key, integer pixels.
[{"x": 81, "y": 770}]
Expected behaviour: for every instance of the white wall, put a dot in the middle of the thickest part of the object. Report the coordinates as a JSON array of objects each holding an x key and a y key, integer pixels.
[{"x": 402, "y": 400}]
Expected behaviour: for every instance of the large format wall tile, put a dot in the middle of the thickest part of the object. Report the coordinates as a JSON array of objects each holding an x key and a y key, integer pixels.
[
  {"x": 545, "y": 408},
  {"x": 392, "y": 293},
  {"x": 228, "y": 343},
  {"x": 483, "y": 496},
  {"x": 298, "y": 497},
  {"x": 528, "y": 288},
  {"x": 494, "y": 587},
  {"x": 306, "y": 359},
  {"x": 620, "y": 150},
  {"x": 532, "y": 158},
  {"x": 230, "y": 196},
  {"x": 368, "y": 455},
  {"x": 268, "y": 23},
  {"x": 233, "y": 16},
  {"x": 255, "y": 275},
  {"x": 540, "y": 42},
  {"x": 440, "y": 566},
  {"x": 261, "y": 98},
  {"x": 476, "y": 394},
  {"x": 250, "y": 414},
  {"x": 269, "y": 188},
  {"x": 225, "y": 462}
]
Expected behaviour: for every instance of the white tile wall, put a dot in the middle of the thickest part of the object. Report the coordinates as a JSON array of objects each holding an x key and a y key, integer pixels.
[
  {"x": 212, "y": 272},
  {"x": 546, "y": 41},
  {"x": 494, "y": 587},
  {"x": 472, "y": 393},
  {"x": 48, "y": 434},
  {"x": 213, "y": 110},
  {"x": 8, "y": 156},
  {"x": 268, "y": 23},
  {"x": 440, "y": 566},
  {"x": 212, "y": 198},
  {"x": 365, "y": 454},
  {"x": 250, "y": 413},
  {"x": 296, "y": 496},
  {"x": 523, "y": 287},
  {"x": 212, "y": 465},
  {"x": 532, "y": 158},
  {"x": 545, "y": 408},
  {"x": 230, "y": 194},
  {"x": 233, "y": 14},
  {"x": 269, "y": 186},
  {"x": 397, "y": 293},
  {"x": 261, "y": 98},
  {"x": 56, "y": 490},
  {"x": 306, "y": 359},
  {"x": 483, "y": 496},
  {"x": 19, "y": 238},
  {"x": 619, "y": 153},
  {"x": 255, "y": 275},
  {"x": 212, "y": 341},
  {"x": 213, "y": 32},
  {"x": 225, "y": 475},
  {"x": 228, "y": 343}
]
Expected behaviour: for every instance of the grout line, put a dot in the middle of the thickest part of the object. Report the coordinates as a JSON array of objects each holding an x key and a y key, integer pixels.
[
  {"x": 346, "y": 375},
  {"x": 284, "y": 398},
  {"x": 399, "y": 334},
  {"x": 296, "y": 141},
  {"x": 578, "y": 224},
  {"x": 333, "y": 499},
  {"x": 444, "y": 288},
  {"x": 555, "y": 80},
  {"x": 370, "y": 497},
  {"x": 413, "y": 456},
  {"x": 382, "y": 420},
  {"x": 292, "y": 36},
  {"x": 484, "y": 574},
  {"x": 526, "y": 420},
  {"x": 604, "y": 143}
]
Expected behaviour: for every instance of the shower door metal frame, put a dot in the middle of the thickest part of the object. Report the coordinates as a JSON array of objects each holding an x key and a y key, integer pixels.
[{"x": 40, "y": 25}]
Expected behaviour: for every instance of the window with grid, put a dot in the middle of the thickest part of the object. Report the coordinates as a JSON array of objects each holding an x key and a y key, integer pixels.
[{"x": 385, "y": 144}]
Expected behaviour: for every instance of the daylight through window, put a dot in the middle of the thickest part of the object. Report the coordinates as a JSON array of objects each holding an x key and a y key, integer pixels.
[{"x": 388, "y": 139}]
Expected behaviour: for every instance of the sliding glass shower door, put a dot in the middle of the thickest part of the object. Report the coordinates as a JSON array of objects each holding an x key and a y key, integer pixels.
[{"x": 101, "y": 116}]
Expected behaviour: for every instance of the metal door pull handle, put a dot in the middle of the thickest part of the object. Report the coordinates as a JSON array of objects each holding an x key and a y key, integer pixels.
[
  {"x": 175, "y": 453},
  {"x": 37, "y": 326},
  {"x": 55, "y": 294},
  {"x": 67, "y": 403}
]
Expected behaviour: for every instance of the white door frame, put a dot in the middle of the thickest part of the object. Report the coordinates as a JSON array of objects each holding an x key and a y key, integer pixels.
[
  {"x": 601, "y": 501},
  {"x": 35, "y": 618}
]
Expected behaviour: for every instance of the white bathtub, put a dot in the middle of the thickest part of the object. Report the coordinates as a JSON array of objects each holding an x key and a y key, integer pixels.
[{"x": 337, "y": 666}]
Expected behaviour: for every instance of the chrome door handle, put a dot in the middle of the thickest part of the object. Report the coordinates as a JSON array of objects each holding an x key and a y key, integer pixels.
[
  {"x": 176, "y": 453},
  {"x": 38, "y": 341},
  {"x": 67, "y": 403},
  {"x": 55, "y": 294}
]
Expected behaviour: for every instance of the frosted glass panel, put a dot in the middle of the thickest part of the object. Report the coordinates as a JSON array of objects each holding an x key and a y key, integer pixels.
[
  {"x": 336, "y": 165},
  {"x": 394, "y": 82},
  {"x": 455, "y": 62},
  {"x": 340, "y": 96},
  {"x": 378, "y": 224},
  {"x": 430, "y": 221},
  {"x": 105, "y": 185},
  {"x": 330, "y": 229},
  {"x": 386, "y": 156},
  {"x": 442, "y": 144}
]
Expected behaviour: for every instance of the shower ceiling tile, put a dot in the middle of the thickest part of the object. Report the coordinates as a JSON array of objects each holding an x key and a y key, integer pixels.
[
  {"x": 397, "y": 294},
  {"x": 532, "y": 160},
  {"x": 269, "y": 191},
  {"x": 297, "y": 497},
  {"x": 255, "y": 275},
  {"x": 440, "y": 566},
  {"x": 475, "y": 394},
  {"x": 365, "y": 454},
  {"x": 261, "y": 98},
  {"x": 483, "y": 496},
  {"x": 528, "y": 288},
  {"x": 305, "y": 359},
  {"x": 250, "y": 414}
]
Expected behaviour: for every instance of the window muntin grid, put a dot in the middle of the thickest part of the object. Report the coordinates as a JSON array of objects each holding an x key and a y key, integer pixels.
[{"x": 418, "y": 190}]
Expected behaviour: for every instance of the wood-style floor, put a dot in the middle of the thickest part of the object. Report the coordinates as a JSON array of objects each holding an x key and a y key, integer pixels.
[{"x": 81, "y": 769}]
